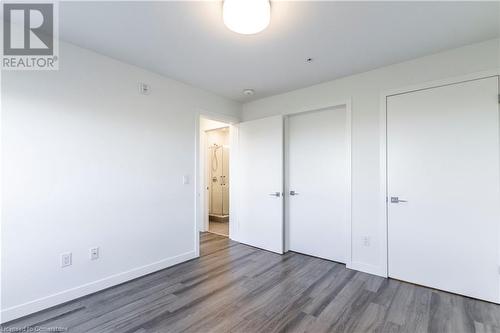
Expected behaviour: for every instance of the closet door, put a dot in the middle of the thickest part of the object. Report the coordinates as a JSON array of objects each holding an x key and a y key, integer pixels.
[
  {"x": 318, "y": 186},
  {"x": 260, "y": 183},
  {"x": 444, "y": 188}
]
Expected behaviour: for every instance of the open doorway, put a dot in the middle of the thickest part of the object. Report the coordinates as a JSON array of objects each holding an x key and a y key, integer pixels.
[
  {"x": 217, "y": 180},
  {"x": 214, "y": 175}
]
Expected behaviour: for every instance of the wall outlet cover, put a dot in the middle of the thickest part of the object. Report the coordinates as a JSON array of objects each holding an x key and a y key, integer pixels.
[{"x": 66, "y": 259}]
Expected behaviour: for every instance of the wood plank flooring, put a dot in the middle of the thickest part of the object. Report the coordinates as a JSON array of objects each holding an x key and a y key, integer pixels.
[{"x": 237, "y": 288}]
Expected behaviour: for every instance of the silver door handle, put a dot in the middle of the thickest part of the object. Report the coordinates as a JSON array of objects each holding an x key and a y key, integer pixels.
[
  {"x": 397, "y": 200},
  {"x": 293, "y": 193},
  {"x": 275, "y": 194}
]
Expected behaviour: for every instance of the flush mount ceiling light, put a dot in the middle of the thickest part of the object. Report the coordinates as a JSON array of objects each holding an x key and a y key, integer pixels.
[{"x": 246, "y": 16}]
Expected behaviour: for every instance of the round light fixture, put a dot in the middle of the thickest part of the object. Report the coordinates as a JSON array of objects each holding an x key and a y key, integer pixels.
[{"x": 246, "y": 16}]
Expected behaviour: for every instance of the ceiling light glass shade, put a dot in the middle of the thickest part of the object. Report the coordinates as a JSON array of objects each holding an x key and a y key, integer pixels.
[{"x": 246, "y": 16}]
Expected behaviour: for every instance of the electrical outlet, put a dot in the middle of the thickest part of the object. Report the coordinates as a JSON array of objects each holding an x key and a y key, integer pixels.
[
  {"x": 66, "y": 259},
  {"x": 94, "y": 253},
  {"x": 366, "y": 241}
]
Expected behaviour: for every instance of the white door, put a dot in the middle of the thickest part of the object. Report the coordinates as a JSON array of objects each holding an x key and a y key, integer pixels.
[
  {"x": 260, "y": 183},
  {"x": 318, "y": 183},
  {"x": 443, "y": 161}
]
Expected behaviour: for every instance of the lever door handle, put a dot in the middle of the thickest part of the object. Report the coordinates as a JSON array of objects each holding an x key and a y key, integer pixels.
[
  {"x": 294, "y": 193},
  {"x": 275, "y": 194},
  {"x": 397, "y": 200}
]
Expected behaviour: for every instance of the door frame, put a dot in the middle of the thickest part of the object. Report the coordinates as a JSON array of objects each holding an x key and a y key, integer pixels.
[
  {"x": 383, "y": 202},
  {"x": 199, "y": 181},
  {"x": 286, "y": 204}
]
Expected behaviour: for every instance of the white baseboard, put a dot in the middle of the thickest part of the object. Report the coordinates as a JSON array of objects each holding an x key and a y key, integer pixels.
[
  {"x": 367, "y": 268},
  {"x": 36, "y": 305}
]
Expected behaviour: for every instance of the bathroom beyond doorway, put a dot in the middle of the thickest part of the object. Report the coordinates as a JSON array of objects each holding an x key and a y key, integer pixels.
[{"x": 216, "y": 147}]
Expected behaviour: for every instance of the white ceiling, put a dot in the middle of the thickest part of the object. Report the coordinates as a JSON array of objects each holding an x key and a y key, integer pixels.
[{"x": 187, "y": 40}]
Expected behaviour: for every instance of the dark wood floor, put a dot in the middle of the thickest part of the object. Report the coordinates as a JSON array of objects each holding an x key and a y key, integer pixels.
[{"x": 237, "y": 288}]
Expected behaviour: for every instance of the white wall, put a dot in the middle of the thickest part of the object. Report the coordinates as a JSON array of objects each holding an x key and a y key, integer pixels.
[
  {"x": 364, "y": 90},
  {"x": 88, "y": 161}
]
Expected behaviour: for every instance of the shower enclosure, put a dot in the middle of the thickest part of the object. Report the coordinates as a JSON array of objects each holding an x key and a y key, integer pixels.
[{"x": 218, "y": 174}]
